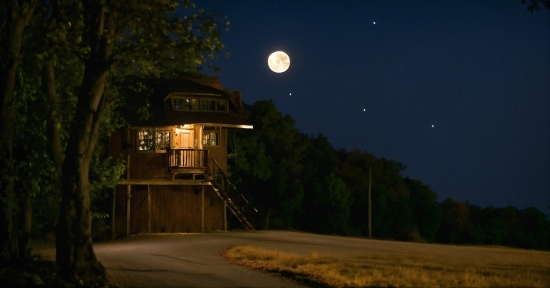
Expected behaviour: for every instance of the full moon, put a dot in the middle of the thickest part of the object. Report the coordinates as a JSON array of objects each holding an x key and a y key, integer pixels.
[{"x": 278, "y": 61}]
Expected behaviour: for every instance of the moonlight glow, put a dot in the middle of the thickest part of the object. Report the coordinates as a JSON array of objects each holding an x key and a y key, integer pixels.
[{"x": 278, "y": 61}]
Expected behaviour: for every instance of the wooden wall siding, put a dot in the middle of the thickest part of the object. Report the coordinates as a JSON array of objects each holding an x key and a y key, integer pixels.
[
  {"x": 138, "y": 210},
  {"x": 173, "y": 209},
  {"x": 213, "y": 210},
  {"x": 219, "y": 153},
  {"x": 176, "y": 209},
  {"x": 120, "y": 210},
  {"x": 149, "y": 166}
]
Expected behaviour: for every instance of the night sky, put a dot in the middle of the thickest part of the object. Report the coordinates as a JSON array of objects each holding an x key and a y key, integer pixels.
[{"x": 376, "y": 75}]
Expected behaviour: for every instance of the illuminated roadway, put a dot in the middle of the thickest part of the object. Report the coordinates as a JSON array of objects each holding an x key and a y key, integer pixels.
[
  {"x": 182, "y": 260},
  {"x": 193, "y": 260}
]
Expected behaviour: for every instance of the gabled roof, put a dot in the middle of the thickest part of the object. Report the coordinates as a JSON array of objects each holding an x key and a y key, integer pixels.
[{"x": 162, "y": 114}]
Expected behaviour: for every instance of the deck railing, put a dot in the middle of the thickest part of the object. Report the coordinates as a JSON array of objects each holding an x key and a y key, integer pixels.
[{"x": 183, "y": 158}]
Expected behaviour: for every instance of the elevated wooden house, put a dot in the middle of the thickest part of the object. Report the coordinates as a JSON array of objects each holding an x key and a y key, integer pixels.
[{"x": 177, "y": 161}]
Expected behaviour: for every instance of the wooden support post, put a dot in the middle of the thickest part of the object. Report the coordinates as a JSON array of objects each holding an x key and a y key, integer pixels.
[
  {"x": 370, "y": 202},
  {"x": 128, "y": 191},
  {"x": 202, "y": 209},
  {"x": 128, "y": 196},
  {"x": 224, "y": 216},
  {"x": 148, "y": 208},
  {"x": 113, "y": 233}
]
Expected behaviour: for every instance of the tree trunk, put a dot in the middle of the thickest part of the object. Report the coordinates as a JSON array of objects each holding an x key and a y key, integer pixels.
[
  {"x": 75, "y": 255},
  {"x": 16, "y": 17},
  {"x": 74, "y": 251},
  {"x": 25, "y": 227},
  {"x": 266, "y": 226},
  {"x": 54, "y": 118}
]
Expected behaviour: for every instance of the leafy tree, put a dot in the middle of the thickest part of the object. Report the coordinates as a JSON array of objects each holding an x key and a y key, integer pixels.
[
  {"x": 392, "y": 205},
  {"x": 267, "y": 164},
  {"x": 35, "y": 169},
  {"x": 534, "y": 4},
  {"x": 15, "y": 16},
  {"x": 426, "y": 213},
  {"x": 510, "y": 215},
  {"x": 352, "y": 167},
  {"x": 319, "y": 161},
  {"x": 477, "y": 231},
  {"x": 99, "y": 42},
  {"x": 455, "y": 223},
  {"x": 391, "y": 202},
  {"x": 496, "y": 231},
  {"x": 331, "y": 206},
  {"x": 534, "y": 232}
]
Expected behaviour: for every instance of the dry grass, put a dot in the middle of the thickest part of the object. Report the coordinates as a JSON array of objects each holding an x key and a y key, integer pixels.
[{"x": 443, "y": 266}]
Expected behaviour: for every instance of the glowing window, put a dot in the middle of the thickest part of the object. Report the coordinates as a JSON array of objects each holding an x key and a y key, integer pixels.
[
  {"x": 146, "y": 140},
  {"x": 210, "y": 138},
  {"x": 153, "y": 140},
  {"x": 192, "y": 104}
]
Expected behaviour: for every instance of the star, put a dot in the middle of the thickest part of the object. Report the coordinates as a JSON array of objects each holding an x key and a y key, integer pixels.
[
  {"x": 433, "y": 126},
  {"x": 364, "y": 109},
  {"x": 290, "y": 94},
  {"x": 374, "y": 23}
]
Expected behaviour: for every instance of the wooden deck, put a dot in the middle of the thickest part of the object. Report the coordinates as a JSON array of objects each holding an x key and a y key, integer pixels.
[{"x": 165, "y": 182}]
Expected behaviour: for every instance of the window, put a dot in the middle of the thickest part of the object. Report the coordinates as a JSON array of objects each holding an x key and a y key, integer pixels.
[
  {"x": 208, "y": 105},
  {"x": 145, "y": 139},
  {"x": 214, "y": 105},
  {"x": 178, "y": 104},
  {"x": 210, "y": 138},
  {"x": 163, "y": 140},
  {"x": 192, "y": 104},
  {"x": 153, "y": 140},
  {"x": 221, "y": 105}
]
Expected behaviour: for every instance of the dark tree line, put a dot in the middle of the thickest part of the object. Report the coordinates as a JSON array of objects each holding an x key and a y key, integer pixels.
[
  {"x": 301, "y": 181},
  {"x": 508, "y": 226}
]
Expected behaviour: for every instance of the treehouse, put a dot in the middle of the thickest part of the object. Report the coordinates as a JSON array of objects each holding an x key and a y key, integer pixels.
[{"x": 176, "y": 176}]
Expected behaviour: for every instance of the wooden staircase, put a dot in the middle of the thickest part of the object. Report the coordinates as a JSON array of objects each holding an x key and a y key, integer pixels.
[{"x": 239, "y": 206}]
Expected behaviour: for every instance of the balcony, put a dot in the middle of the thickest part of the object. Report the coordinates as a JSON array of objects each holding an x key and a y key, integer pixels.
[{"x": 187, "y": 161}]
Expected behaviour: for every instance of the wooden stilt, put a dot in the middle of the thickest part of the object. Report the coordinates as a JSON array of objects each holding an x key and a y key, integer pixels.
[
  {"x": 224, "y": 216},
  {"x": 128, "y": 196},
  {"x": 113, "y": 233},
  {"x": 128, "y": 191},
  {"x": 202, "y": 209},
  {"x": 148, "y": 208}
]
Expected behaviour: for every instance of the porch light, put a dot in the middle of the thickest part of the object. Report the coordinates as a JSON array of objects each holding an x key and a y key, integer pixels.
[{"x": 181, "y": 130}]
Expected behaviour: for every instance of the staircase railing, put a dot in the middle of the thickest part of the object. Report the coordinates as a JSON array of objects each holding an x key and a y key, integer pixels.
[{"x": 237, "y": 203}]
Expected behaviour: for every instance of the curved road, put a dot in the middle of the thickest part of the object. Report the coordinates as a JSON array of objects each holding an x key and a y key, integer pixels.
[{"x": 193, "y": 260}]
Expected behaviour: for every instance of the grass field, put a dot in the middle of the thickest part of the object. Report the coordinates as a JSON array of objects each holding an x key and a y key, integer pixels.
[{"x": 421, "y": 265}]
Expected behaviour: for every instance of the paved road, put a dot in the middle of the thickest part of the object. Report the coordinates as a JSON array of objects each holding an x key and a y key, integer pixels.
[
  {"x": 181, "y": 260},
  {"x": 193, "y": 260}
]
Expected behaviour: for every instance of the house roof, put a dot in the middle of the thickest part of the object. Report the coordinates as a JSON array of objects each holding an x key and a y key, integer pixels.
[{"x": 162, "y": 114}]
